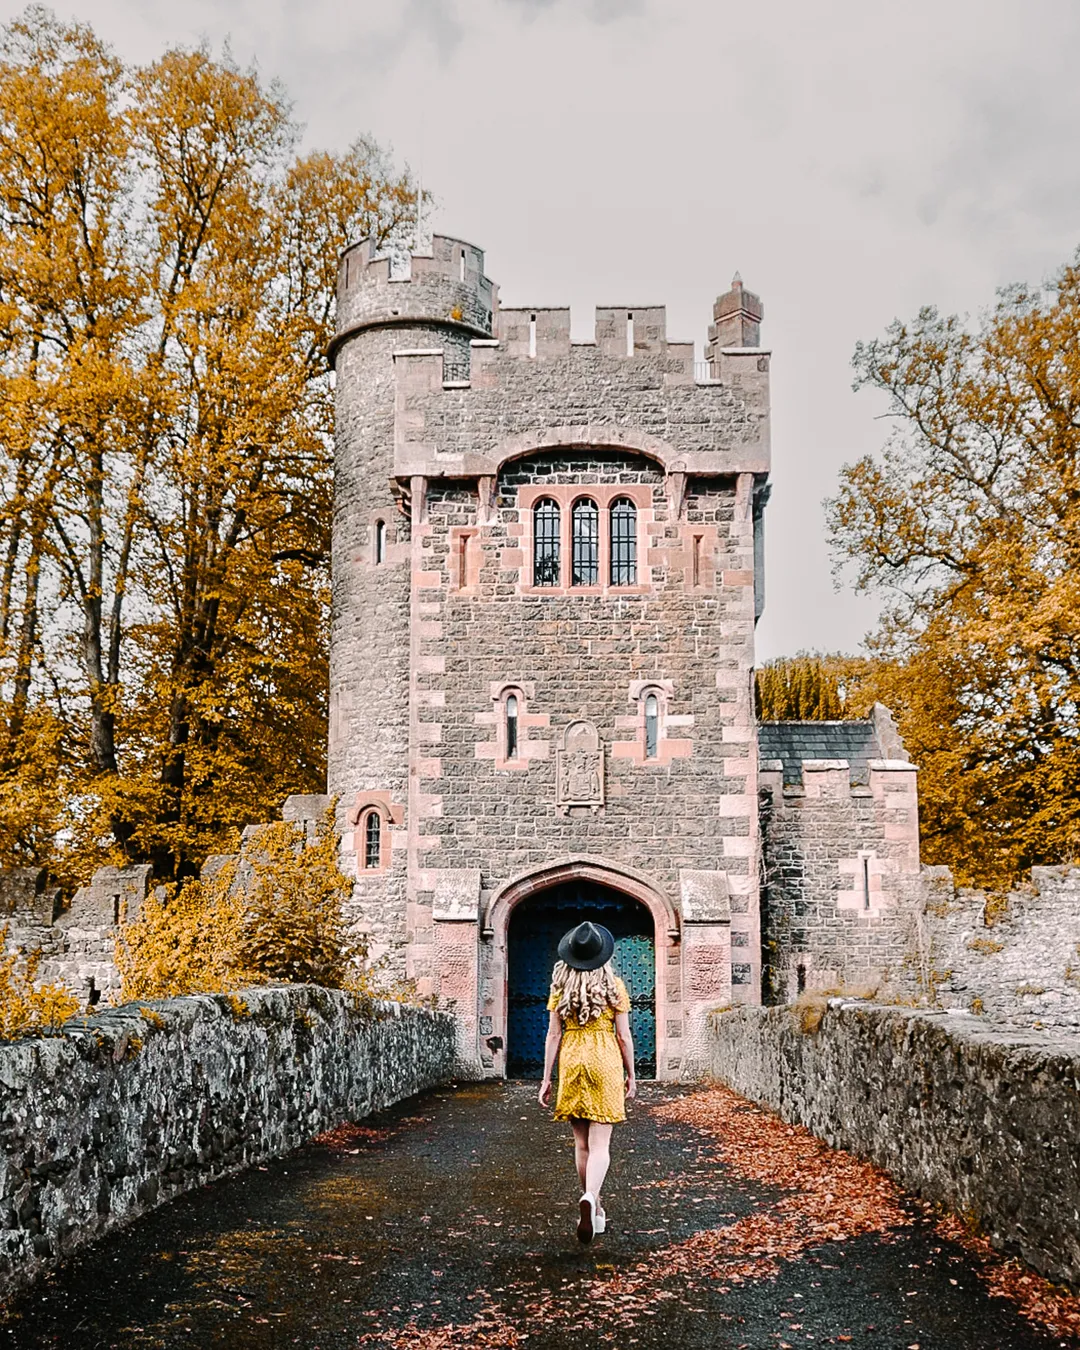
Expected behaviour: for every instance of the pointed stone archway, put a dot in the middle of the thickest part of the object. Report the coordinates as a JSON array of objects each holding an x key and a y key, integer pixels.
[{"x": 636, "y": 906}]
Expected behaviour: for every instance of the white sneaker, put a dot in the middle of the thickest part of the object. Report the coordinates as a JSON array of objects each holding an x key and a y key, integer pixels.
[
  {"x": 600, "y": 1222},
  {"x": 586, "y": 1217}
]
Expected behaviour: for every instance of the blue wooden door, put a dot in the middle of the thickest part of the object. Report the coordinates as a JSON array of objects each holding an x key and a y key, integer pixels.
[
  {"x": 535, "y": 930},
  {"x": 635, "y": 961}
]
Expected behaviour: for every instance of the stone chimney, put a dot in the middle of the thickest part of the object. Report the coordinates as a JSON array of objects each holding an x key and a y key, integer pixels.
[{"x": 737, "y": 318}]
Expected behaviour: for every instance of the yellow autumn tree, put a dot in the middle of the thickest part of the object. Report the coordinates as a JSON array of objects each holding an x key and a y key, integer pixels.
[
  {"x": 272, "y": 913},
  {"x": 968, "y": 525},
  {"x": 167, "y": 274}
]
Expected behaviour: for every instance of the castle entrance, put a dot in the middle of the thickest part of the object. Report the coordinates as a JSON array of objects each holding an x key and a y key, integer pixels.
[{"x": 536, "y": 925}]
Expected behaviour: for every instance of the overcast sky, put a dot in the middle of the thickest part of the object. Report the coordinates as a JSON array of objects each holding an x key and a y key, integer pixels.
[{"x": 852, "y": 160}]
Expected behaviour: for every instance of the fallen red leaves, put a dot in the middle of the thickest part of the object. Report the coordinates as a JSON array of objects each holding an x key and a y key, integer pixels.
[
  {"x": 835, "y": 1196},
  {"x": 821, "y": 1196},
  {"x": 832, "y": 1196},
  {"x": 488, "y": 1331},
  {"x": 348, "y": 1138},
  {"x": 1036, "y": 1299}
]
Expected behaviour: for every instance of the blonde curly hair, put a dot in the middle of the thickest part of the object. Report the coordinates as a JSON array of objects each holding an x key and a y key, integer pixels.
[{"x": 584, "y": 994}]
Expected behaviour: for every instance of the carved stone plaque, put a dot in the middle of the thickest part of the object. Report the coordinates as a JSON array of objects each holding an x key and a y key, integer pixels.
[{"x": 579, "y": 771}]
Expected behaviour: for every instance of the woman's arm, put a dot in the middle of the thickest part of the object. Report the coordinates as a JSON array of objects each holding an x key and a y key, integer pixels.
[
  {"x": 551, "y": 1049},
  {"x": 626, "y": 1046}
]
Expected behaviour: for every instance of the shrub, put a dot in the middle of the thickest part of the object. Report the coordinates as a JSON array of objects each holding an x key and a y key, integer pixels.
[
  {"x": 185, "y": 941},
  {"x": 274, "y": 913},
  {"x": 293, "y": 928},
  {"x": 812, "y": 1004},
  {"x": 28, "y": 1008}
]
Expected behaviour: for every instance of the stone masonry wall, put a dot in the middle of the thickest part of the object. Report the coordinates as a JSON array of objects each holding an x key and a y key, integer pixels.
[
  {"x": 135, "y": 1106},
  {"x": 978, "y": 1119},
  {"x": 581, "y": 656},
  {"x": 370, "y": 641},
  {"x": 842, "y": 891},
  {"x": 512, "y": 405},
  {"x": 585, "y": 656},
  {"x": 1015, "y": 958},
  {"x": 77, "y": 943}
]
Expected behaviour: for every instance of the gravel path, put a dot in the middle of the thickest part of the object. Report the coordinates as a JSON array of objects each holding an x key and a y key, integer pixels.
[{"x": 449, "y": 1221}]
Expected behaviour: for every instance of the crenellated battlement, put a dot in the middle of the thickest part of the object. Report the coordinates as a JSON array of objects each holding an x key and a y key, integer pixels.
[
  {"x": 465, "y": 419},
  {"x": 473, "y": 381},
  {"x": 445, "y": 287},
  {"x": 621, "y": 332},
  {"x": 831, "y": 777}
]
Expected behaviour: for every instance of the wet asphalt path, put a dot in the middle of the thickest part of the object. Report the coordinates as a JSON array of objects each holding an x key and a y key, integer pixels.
[{"x": 458, "y": 1207}]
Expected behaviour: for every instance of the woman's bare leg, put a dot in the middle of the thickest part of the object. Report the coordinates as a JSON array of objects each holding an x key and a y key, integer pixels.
[
  {"x": 581, "y": 1148},
  {"x": 598, "y": 1156}
]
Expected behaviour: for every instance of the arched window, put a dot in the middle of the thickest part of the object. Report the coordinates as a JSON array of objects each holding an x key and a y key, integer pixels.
[
  {"x": 623, "y": 542},
  {"x": 652, "y": 725},
  {"x": 372, "y": 855},
  {"x": 546, "y": 543},
  {"x": 585, "y": 522},
  {"x": 380, "y": 541},
  {"x": 511, "y": 726}
]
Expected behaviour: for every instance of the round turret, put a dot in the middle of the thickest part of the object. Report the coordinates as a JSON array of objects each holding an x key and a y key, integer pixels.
[
  {"x": 446, "y": 287},
  {"x": 385, "y": 306}
]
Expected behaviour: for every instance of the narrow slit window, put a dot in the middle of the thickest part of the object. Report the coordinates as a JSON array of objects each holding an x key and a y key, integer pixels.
[
  {"x": 466, "y": 559},
  {"x": 623, "y": 542},
  {"x": 511, "y": 727},
  {"x": 652, "y": 725},
  {"x": 696, "y": 570},
  {"x": 462, "y": 264},
  {"x": 629, "y": 335},
  {"x": 585, "y": 521},
  {"x": 546, "y": 543},
  {"x": 532, "y": 334},
  {"x": 380, "y": 541},
  {"x": 372, "y": 842},
  {"x": 866, "y": 882}
]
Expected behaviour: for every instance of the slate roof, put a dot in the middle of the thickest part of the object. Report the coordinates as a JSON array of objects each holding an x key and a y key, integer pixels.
[{"x": 793, "y": 742}]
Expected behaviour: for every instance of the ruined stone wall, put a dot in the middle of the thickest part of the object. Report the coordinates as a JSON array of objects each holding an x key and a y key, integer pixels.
[
  {"x": 842, "y": 894},
  {"x": 77, "y": 943},
  {"x": 978, "y": 1119},
  {"x": 138, "y": 1105},
  {"x": 1014, "y": 958}
]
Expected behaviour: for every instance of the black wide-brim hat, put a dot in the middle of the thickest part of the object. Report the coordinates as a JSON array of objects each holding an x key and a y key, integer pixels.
[{"x": 586, "y": 947}]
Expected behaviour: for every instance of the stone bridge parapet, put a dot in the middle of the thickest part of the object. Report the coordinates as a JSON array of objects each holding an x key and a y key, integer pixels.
[
  {"x": 135, "y": 1106},
  {"x": 977, "y": 1118}
]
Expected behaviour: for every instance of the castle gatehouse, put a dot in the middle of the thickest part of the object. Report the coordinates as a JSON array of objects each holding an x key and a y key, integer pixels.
[{"x": 547, "y": 571}]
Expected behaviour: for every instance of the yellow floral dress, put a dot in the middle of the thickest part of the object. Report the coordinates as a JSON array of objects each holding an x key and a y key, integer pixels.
[{"x": 591, "y": 1073}]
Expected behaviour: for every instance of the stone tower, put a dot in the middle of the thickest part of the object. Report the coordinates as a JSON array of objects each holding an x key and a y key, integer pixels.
[{"x": 544, "y": 597}]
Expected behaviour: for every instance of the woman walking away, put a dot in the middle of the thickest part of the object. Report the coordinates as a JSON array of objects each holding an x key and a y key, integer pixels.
[{"x": 589, "y": 1031}]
